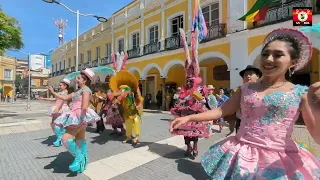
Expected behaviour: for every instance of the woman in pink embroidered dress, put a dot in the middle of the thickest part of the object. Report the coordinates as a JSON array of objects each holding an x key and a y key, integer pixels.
[
  {"x": 191, "y": 101},
  {"x": 57, "y": 109},
  {"x": 263, "y": 148},
  {"x": 75, "y": 121}
]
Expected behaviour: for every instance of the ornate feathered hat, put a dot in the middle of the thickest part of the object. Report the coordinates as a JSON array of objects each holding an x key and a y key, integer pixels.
[
  {"x": 122, "y": 77},
  {"x": 303, "y": 40},
  {"x": 192, "y": 68}
]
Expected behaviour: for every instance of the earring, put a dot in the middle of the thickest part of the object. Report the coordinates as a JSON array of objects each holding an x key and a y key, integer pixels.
[{"x": 290, "y": 72}]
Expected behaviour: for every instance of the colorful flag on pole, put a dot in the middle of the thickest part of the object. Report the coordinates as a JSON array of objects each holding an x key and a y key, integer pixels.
[
  {"x": 199, "y": 22},
  {"x": 258, "y": 11}
]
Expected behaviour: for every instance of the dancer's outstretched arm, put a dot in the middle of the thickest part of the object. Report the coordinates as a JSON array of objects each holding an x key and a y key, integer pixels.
[
  {"x": 47, "y": 99},
  {"x": 231, "y": 106},
  {"x": 310, "y": 109},
  {"x": 60, "y": 96}
]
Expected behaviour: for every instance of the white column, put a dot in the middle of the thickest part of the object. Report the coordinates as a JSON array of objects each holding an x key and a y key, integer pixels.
[
  {"x": 112, "y": 32},
  {"x": 190, "y": 13},
  {"x": 126, "y": 39},
  {"x": 238, "y": 60},
  {"x": 163, "y": 25},
  {"x": 142, "y": 36}
]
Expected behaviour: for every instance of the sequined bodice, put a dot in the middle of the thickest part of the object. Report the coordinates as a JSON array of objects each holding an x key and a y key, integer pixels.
[
  {"x": 268, "y": 122},
  {"x": 58, "y": 101},
  {"x": 77, "y": 98}
]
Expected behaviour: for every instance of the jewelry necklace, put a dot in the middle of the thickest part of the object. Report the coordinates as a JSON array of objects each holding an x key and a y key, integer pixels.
[{"x": 273, "y": 87}]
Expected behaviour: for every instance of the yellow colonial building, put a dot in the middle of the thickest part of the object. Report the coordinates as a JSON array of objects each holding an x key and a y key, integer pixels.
[
  {"x": 7, "y": 75},
  {"x": 148, "y": 30}
]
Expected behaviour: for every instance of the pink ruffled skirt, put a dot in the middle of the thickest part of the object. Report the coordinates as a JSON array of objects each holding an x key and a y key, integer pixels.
[
  {"x": 190, "y": 129},
  {"x": 113, "y": 117},
  {"x": 73, "y": 119},
  {"x": 234, "y": 159},
  {"x": 65, "y": 108}
]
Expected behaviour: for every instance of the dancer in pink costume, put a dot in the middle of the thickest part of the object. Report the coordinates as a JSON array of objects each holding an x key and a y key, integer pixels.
[
  {"x": 263, "y": 148},
  {"x": 191, "y": 101},
  {"x": 113, "y": 114},
  {"x": 57, "y": 109},
  {"x": 76, "y": 120}
]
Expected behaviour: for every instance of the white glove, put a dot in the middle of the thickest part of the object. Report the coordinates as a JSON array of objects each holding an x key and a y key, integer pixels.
[
  {"x": 203, "y": 101},
  {"x": 188, "y": 97}
]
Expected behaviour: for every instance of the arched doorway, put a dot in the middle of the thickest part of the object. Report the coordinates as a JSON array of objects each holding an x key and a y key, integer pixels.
[
  {"x": 152, "y": 74},
  {"x": 136, "y": 74},
  {"x": 214, "y": 71},
  {"x": 174, "y": 72},
  {"x": 8, "y": 91}
]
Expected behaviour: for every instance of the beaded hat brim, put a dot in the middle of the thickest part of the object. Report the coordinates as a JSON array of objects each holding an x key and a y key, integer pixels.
[{"x": 304, "y": 44}]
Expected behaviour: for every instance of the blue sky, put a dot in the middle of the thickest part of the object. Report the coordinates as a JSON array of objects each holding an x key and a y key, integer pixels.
[{"x": 40, "y": 34}]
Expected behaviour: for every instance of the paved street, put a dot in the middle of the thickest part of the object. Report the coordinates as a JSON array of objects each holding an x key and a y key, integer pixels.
[{"x": 26, "y": 151}]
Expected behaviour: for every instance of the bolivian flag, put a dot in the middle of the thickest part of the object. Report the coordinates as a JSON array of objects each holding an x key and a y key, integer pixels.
[{"x": 258, "y": 11}]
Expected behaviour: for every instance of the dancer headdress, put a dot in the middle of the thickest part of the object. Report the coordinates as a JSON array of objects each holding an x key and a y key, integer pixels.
[
  {"x": 192, "y": 68},
  {"x": 66, "y": 81},
  {"x": 303, "y": 40},
  {"x": 122, "y": 77}
]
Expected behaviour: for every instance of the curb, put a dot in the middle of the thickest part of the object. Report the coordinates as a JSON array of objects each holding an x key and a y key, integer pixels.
[{"x": 156, "y": 111}]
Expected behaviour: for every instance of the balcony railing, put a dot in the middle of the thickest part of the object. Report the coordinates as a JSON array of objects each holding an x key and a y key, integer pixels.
[
  {"x": 152, "y": 48},
  {"x": 95, "y": 63},
  {"x": 133, "y": 53},
  {"x": 81, "y": 66},
  {"x": 214, "y": 32},
  {"x": 281, "y": 12},
  {"x": 68, "y": 70},
  {"x": 105, "y": 61},
  {"x": 88, "y": 65},
  {"x": 172, "y": 43}
]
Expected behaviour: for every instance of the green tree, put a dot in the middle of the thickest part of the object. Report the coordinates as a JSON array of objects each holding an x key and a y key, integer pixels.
[{"x": 10, "y": 33}]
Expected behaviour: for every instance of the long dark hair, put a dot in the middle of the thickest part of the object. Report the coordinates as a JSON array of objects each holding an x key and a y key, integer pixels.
[
  {"x": 67, "y": 86},
  {"x": 86, "y": 78}
]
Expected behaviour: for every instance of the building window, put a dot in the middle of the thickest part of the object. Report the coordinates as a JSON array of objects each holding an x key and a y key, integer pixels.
[
  {"x": 75, "y": 60},
  {"x": 69, "y": 62},
  {"x": 64, "y": 64},
  {"x": 211, "y": 14},
  {"x": 108, "y": 50},
  {"x": 221, "y": 73},
  {"x": 7, "y": 74},
  {"x": 53, "y": 68},
  {"x": 176, "y": 24},
  {"x": 153, "y": 34},
  {"x": 98, "y": 52},
  {"x": 89, "y": 56},
  {"x": 60, "y": 66},
  {"x": 81, "y": 58},
  {"x": 56, "y": 67},
  {"x": 120, "y": 45},
  {"x": 135, "y": 40}
]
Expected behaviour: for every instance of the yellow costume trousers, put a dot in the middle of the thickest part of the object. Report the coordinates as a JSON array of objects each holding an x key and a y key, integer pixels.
[{"x": 132, "y": 124}]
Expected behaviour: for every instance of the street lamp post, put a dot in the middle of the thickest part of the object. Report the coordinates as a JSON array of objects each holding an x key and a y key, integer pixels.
[
  {"x": 99, "y": 18},
  {"x": 29, "y": 84},
  {"x": 29, "y": 80}
]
